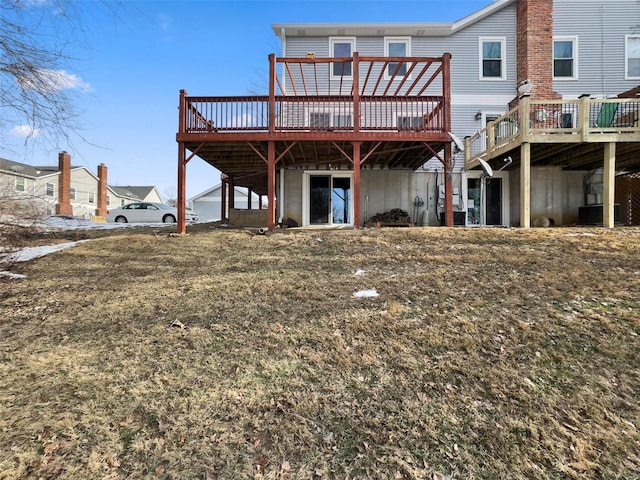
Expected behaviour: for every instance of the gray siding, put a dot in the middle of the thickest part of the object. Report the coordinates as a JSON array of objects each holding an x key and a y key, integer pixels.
[{"x": 601, "y": 27}]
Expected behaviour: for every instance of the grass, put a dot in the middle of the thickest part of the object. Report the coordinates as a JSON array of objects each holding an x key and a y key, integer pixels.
[{"x": 488, "y": 354}]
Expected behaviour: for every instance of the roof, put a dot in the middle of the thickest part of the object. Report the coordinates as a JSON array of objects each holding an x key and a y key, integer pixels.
[
  {"x": 421, "y": 29},
  {"x": 125, "y": 192},
  {"x": 136, "y": 191},
  {"x": 25, "y": 170}
]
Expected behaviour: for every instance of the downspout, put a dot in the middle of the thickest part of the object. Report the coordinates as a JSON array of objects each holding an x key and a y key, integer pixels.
[
  {"x": 604, "y": 47},
  {"x": 283, "y": 38}
]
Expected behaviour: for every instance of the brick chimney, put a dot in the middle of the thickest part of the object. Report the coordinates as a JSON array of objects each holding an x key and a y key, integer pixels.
[
  {"x": 101, "y": 211},
  {"x": 63, "y": 206},
  {"x": 534, "y": 47}
]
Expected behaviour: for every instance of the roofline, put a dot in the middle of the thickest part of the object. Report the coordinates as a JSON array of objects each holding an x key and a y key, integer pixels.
[{"x": 422, "y": 29}]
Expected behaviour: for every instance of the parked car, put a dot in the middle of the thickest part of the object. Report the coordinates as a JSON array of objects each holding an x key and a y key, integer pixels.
[{"x": 147, "y": 212}]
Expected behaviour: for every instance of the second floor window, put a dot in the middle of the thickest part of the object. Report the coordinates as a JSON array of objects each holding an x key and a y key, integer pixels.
[
  {"x": 72, "y": 193},
  {"x": 342, "y": 47},
  {"x": 49, "y": 189},
  {"x": 492, "y": 53},
  {"x": 108, "y": 200},
  {"x": 19, "y": 184},
  {"x": 564, "y": 58},
  {"x": 92, "y": 197},
  {"x": 632, "y": 56},
  {"x": 396, "y": 47}
]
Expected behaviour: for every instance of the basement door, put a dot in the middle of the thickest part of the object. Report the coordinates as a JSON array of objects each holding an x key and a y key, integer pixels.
[
  {"x": 328, "y": 199},
  {"x": 493, "y": 212}
]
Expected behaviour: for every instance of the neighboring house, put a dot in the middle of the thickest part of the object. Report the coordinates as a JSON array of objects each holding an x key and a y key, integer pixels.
[
  {"x": 357, "y": 115},
  {"x": 62, "y": 189},
  {"x": 210, "y": 204},
  {"x": 146, "y": 194}
]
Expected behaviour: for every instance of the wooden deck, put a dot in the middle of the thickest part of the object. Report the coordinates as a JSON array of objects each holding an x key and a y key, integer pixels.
[
  {"x": 569, "y": 133},
  {"x": 353, "y": 112},
  {"x": 582, "y": 134}
]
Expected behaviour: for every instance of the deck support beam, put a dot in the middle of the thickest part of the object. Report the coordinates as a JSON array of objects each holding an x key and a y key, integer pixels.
[
  {"x": 271, "y": 186},
  {"x": 356, "y": 185},
  {"x": 525, "y": 185},
  {"x": 181, "y": 227},
  {"x": 608, "y": 217},
  {"x": 223, "y": 199},
  {"x": 232, "y": 194}
]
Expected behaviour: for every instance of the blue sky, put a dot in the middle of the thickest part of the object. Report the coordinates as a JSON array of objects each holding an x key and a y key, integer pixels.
[{"x": 132, "y": 65}]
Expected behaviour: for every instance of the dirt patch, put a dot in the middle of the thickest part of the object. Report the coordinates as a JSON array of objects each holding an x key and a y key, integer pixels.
[{"x": 224, "y": 354}]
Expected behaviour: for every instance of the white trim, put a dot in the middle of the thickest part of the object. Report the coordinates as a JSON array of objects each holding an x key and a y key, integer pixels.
[
  {"x": 574, "y": 58},
  {"x": 306, "y": 176},
  {"x": 626, "y": 56},
  {"x": 503, "y": 58},
  {"x": 396, "y": 39},
  {"x": 332, "y": 42},
  {"x": 475, "y": 100}
]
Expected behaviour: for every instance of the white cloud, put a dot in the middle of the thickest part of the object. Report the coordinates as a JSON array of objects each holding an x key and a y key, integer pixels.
[
  {"x": 55, "y": 80},
  {"x": 164, "y": 22},
  {"x": 24, "y": 131}
]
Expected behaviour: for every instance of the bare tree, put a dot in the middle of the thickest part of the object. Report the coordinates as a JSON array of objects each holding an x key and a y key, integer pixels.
[{"x": 38, "y": 94}]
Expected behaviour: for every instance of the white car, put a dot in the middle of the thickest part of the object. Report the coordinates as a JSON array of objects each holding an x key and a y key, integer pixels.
[{"x": 147, "y": 212}]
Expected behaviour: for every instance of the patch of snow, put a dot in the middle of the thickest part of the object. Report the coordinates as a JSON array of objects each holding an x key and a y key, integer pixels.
[
  {"x": 359, "y": 272},
  {"x": 29, "y": 253},
  {"x": 14, "y": 276},
  {"x": 580, "y": 234},
  {"x": 366, "y": 293}
]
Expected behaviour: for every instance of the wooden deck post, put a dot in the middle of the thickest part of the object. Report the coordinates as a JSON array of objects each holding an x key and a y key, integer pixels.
[
  {"x": 223, "y": 199},
  {"x": 525, "y": 185},
  {"x": 356, "y": 185},
  {"x": 249, "y": 195},
  {"x": 182, "y": 196},
  {"x": 608, "y": 217},
  {"x": 232, "y": 194},
  {"x": 271, "y": 185},
  {"x": 272, "y": 94}
]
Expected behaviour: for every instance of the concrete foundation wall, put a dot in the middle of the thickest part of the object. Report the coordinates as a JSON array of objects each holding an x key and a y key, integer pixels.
[
  {"x": 247, "y": 218},
  {"x": 555, "y": 194},
  {"x": 380, "y": 191}
]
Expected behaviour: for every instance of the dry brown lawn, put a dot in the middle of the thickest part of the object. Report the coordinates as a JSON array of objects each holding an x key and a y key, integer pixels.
[{"x": 488, "y": 354}]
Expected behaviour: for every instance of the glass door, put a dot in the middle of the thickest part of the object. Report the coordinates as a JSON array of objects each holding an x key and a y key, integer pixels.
[
  {"x": 484, "y": 201},
  {"x": 330, "y": 201}
]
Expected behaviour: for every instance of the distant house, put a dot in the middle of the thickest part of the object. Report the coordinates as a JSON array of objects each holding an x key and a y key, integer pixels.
[
  {"x": 64, "y": 189},
  {"x": 209, "y": 205},
  {"x": 146, "y": 194}
]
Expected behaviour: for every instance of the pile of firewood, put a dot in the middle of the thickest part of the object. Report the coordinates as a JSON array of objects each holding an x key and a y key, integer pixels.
[{"x": 395, "y": 217}]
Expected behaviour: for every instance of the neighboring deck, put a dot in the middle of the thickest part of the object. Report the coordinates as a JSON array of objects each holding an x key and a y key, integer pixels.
[
  {"x": 568, "y": 133},
  {"x": 582, "y": 134}
]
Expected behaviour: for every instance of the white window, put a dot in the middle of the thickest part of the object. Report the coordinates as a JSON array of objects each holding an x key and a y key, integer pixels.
[
  {"x": 122, "y": 202},
  {"x": 397, "y": 47},
  {"x": 326, "y": 120},
  {"x": 565, "y": 58},
  {"x": 342, "y": 47},
  {"x": 108, "y": 199},
  {"x": 492, "y": 58},
  {"x": 50, "y": 189},
  {"x": 632, "y": 56},
  {"x": 92, "y": 197},
  {"x": 409, "y": 123},
  {"x": 19, "y": 184},
  {"x": 72, "y": 193}
]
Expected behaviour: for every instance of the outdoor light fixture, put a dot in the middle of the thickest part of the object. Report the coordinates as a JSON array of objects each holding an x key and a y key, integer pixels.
[
  {"x": 525, "y": 87},
  {"x": 479, "y": 116}
]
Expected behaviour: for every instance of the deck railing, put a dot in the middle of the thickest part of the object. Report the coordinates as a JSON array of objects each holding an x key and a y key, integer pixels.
[
  {"x": 314, "y": 113},
  {"x": 556, "y": 121}
]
